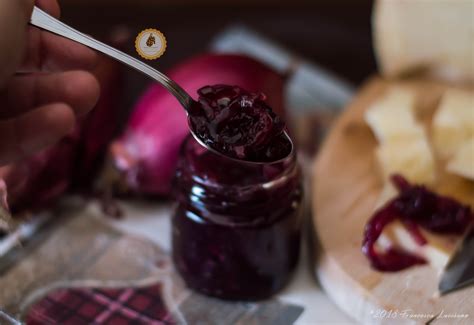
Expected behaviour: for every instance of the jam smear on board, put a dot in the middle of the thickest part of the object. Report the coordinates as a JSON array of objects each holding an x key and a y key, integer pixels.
[{"x": 415, "y": 206}]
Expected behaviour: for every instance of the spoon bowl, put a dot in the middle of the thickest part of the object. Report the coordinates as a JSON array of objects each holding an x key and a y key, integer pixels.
[{"x": 217, "y": 152}]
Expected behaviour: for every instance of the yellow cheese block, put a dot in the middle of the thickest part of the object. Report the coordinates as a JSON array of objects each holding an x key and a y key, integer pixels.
[
  {"x": 462, "y": 163},
  {"x": 412, "y": 158},
  {"x": 453, "y": 123},
  {"x": 392, "y": 117},
  {"x": 434, "y": 36}
]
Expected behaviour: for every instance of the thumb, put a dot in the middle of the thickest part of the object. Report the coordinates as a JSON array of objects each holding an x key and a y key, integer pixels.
[{"x": 14, "y": 18}]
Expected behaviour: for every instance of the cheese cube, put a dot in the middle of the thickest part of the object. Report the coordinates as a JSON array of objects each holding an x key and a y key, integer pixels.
[
  {"x": 392, "y": 117},
  {"x": 462, "y": 163},
  {"x": 413, "y": 159},
  {"x": 435, "y": 36},
  {"x": 453, "y": 123}
]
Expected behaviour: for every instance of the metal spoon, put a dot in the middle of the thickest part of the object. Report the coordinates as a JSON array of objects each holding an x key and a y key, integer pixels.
[{"x": 44, "y": 21}]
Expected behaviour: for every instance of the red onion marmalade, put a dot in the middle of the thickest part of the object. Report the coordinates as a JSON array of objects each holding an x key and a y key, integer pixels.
[
  {"x": 146, "y": 153},
  {"x": 239, "y": 124},
  {"x": 237, "y": 226},
  {"x": 415, "y": 206}
]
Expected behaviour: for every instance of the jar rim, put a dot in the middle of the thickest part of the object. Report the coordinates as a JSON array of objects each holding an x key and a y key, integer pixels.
[{"x": 289, "y": 169}]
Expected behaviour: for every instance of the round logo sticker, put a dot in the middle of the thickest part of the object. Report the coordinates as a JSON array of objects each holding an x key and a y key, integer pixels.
[{"x": 150, "y": 44}]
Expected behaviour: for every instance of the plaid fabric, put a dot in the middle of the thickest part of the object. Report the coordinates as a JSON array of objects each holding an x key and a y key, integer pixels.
[{"x": 101, "y": 306}]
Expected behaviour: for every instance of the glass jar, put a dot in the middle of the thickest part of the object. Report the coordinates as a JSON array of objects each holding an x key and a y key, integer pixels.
[{"x": 236, "y": 226}]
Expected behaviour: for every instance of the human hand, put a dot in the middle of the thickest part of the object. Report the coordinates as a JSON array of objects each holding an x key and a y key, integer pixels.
[{"x": 44, "y": 83}]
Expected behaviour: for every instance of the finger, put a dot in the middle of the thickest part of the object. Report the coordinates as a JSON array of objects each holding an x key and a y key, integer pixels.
[
  {"x": 33, "y": 131},
  {"x": 49, "y": 52},
  {"x": 79, "y": 89},
  {"x": 14, "y": 17}
]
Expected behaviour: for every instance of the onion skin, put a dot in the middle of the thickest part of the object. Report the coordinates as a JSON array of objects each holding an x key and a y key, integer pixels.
[{"x": 146, "y": 154}]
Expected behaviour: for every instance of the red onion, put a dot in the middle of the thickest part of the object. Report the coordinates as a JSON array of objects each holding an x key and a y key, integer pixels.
[{"x": 147, "y": 152}]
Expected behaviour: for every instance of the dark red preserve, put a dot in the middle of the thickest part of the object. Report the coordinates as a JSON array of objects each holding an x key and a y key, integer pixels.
[
  {"x": 415, "y": 206},
  {"x": 238, "y": 124},
  {"x": 236, "y": 227}
]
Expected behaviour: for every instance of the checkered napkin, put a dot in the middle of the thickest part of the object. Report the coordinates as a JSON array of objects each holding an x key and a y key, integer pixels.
[{"x": 101, "y": 306}]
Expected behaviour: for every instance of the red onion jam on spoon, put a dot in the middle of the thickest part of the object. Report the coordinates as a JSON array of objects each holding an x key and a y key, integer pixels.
[
  {"x": 239, "y": 124},
  {"x": 146, "y": 153}
]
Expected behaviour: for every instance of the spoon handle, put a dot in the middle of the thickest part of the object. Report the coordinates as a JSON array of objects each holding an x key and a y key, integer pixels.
[{"x": 44, "y": 21}]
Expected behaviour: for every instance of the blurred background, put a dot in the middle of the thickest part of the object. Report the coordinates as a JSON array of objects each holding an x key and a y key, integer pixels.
[{"x": 336, "y": 34}]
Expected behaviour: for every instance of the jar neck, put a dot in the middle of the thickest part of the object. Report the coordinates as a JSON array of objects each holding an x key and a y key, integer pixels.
[{"x": 233, "y": 192}]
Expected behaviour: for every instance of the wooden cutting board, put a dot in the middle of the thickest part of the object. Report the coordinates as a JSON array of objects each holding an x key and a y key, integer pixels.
[{"x": 345, "y": 188}]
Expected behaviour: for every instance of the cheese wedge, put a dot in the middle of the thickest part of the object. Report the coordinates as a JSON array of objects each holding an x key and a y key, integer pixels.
[
  {"x": 437, "y": 251},
  {"x": 453, "y": 123},
  {"x": 434, "y": 36},
  {"x": 392, "y": 117},
  {"x": 412, "y": 158},
  {"x": 462, "y": 163}
]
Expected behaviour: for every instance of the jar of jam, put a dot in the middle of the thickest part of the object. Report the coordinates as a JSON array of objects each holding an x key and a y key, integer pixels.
[{"x": 236, "y": 227}]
